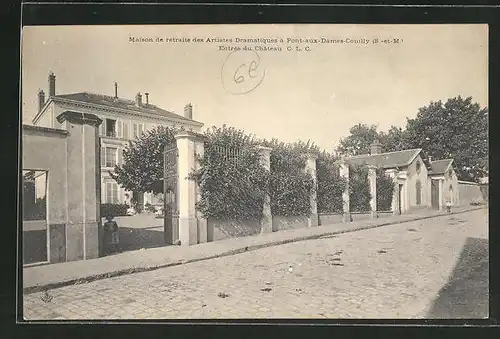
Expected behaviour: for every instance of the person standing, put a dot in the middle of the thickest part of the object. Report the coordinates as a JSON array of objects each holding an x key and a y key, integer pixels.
[{"x": 111, "y": 234}]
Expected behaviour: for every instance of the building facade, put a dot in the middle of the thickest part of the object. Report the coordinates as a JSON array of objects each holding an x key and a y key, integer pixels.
[
  {"x": 443, "y": 179},
  {"x": 123, "y": 120},
  {"x": 409, "y": 168}
]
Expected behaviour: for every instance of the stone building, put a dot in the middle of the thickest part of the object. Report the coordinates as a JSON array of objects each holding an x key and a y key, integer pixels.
[
  {"x": 122, "y": 120},
  {"x": 443, "y": 179},
  {"x": 409, "y": 168},
  {"x": 60, "y": 197}
]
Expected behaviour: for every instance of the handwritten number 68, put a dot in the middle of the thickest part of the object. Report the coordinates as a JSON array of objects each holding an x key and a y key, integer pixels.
[{"x": 251, "y": 68}]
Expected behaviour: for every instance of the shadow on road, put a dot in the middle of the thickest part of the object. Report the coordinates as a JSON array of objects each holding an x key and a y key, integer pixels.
[
  {"x": 136, "y": 238},
  {"x": 465, "y": 295}
]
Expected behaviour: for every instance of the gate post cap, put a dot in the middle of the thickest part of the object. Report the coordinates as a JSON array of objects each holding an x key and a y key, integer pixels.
[{"x": 189, "y": 135}]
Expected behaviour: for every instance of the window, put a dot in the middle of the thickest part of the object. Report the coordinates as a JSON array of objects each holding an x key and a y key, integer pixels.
[
  {"x": 418, "y": 166},
  {"x": 111, "y": 193},
  {"x": 138, "y": 130},
  {"x": 450, "y": 173},
  {"x": 34, "y": 195},
  {"x": 418, "y": 189},
  {"x": 125, "y": 130},
  {"x": 102, "y": 128},
  {"x": 110, "y": 128},
  {"x": 109, "y": 156}
]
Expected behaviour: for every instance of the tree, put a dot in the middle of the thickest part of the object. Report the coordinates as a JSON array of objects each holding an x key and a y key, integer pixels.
[
  {"x": 362, "y": 136},
  {"x": 142, "y": 168},
  {"x": 359, "y": 141},
  {"x": 457, "y": 129},
  {"x": 394, "y": 140}
]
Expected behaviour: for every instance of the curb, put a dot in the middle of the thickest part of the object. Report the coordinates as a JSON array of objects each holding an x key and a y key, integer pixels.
[{"x": 91, "y": 278}]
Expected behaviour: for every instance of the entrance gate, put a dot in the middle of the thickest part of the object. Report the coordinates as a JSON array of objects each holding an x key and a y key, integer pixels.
[{"x": 170, "y": 193}]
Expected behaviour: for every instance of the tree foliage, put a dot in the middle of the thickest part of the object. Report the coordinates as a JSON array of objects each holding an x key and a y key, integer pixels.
[
  {"x": 290, "y": 185},
  {"x": 359, "y": 189},
  {"x": 142, "y": 167},
  {"x": 330, "y": 184},
  {"x": 457, "y": 129},
  {"x": 231, "y": 188},
  {"x": 385, "y": 191},
  {"x": 361, "y": 136}
]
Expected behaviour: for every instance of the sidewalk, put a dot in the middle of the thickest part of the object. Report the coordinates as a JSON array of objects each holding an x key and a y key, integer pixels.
[{"x": 39, "y": 278}]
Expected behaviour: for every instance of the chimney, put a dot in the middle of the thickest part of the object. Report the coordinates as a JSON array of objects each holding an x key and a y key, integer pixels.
[
  {"x": 430, "y": 159},
  {"x": 147, "y": 98},
  {"x": 41, "y": 100},
  {"x": 188, "y": 111},
  {"x": 375, "y": 147},
  {"x": 138, "y": 99},
  {"x": 116, "y": 90},
  {"x": 52, "y": 84}
]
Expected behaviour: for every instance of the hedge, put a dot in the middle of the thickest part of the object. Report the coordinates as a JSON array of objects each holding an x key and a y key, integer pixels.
[
  {"x": 330, "y": 185},
  {"x": 231, "y": 188},
  {"x": 359, "y": 189},
  {"x": 385, "y": 191},
  {"x": 113, "y": 210},
  {"x": 290, "y": 185}
]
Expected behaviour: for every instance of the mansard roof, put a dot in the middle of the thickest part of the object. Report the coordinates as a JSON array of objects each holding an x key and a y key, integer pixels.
[{"x": 120, "y": 103}]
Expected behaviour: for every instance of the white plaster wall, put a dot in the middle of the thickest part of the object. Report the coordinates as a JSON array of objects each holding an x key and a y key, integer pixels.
[{"x": 413, "y": 176}]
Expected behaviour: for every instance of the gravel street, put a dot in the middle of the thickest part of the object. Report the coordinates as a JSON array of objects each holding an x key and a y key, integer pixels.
[{"x": 433, "y": 268}]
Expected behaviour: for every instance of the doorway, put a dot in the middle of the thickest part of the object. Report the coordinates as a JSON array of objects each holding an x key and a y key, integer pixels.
[
  {"x": 34, "y": 210},
  {"x": 435, "y": 194},
  {"x": 400, "y": 199}
]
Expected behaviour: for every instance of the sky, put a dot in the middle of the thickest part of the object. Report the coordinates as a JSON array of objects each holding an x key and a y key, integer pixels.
[{"x": 314, "y": 94}]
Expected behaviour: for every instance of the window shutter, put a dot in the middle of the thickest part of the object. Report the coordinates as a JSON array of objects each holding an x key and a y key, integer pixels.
[
  {"x": 136, "y": 133},
  {"x": 120, "y": 156},
  {"x": 141, "y": 130},
  {"x": 103, "y": 127},
  {"x": 108, "y": 193},
  {"x": 119, "y": 131},
  {"x": 103, "y": 156},
  {"x": 125, "y": 130},
  {"x": 115, "y": 192}
]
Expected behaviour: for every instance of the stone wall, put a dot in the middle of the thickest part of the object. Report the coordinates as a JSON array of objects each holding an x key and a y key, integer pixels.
[
  {"x": 469, "y": 192},
  {"x": 71, "y": 158}
]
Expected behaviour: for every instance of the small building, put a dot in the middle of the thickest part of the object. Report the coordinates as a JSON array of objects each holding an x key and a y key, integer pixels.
[
  {"x": 410, "y": 169},
  {"x": 123, "y": 120},
  {"x": 443, "y": 181}
]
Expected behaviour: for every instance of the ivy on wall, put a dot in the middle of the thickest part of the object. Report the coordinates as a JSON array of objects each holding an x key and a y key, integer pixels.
[
  {"x": 290, "y": 185},
  {"x": 359, "y": 189},
  {"x": 330, "y": 184},
  {"x": 385, "y": 191},
  {"x": 232, "y": 182}
]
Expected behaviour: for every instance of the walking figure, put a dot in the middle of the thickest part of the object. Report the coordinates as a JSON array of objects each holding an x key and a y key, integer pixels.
[
  {"x": 448, "y": 205},
  {"x": 111, "y": 231}
]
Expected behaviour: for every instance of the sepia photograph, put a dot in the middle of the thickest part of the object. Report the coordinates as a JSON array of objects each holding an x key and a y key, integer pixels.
[{"x": 264, "y": 171}]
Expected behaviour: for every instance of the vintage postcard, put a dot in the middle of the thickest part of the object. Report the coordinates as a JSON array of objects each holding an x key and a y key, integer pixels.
[{"x": 290, "y": 171}]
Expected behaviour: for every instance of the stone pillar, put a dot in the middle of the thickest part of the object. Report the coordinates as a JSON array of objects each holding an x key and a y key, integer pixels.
[
  {"x": 188, "y": 223},
  {"x": 372, "y": 180},
  {"x": 441, "y": 194},
  {"x": 311, "y": 169},
  {"x": 266, "y": 223},
  {"x": 429, "y": 192},
  {"x": 344, "y": 172},
  {"x": 395, "y": 194},
  {"x": 204, "y": 234},
  {"x": 83, "y": 184}
]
